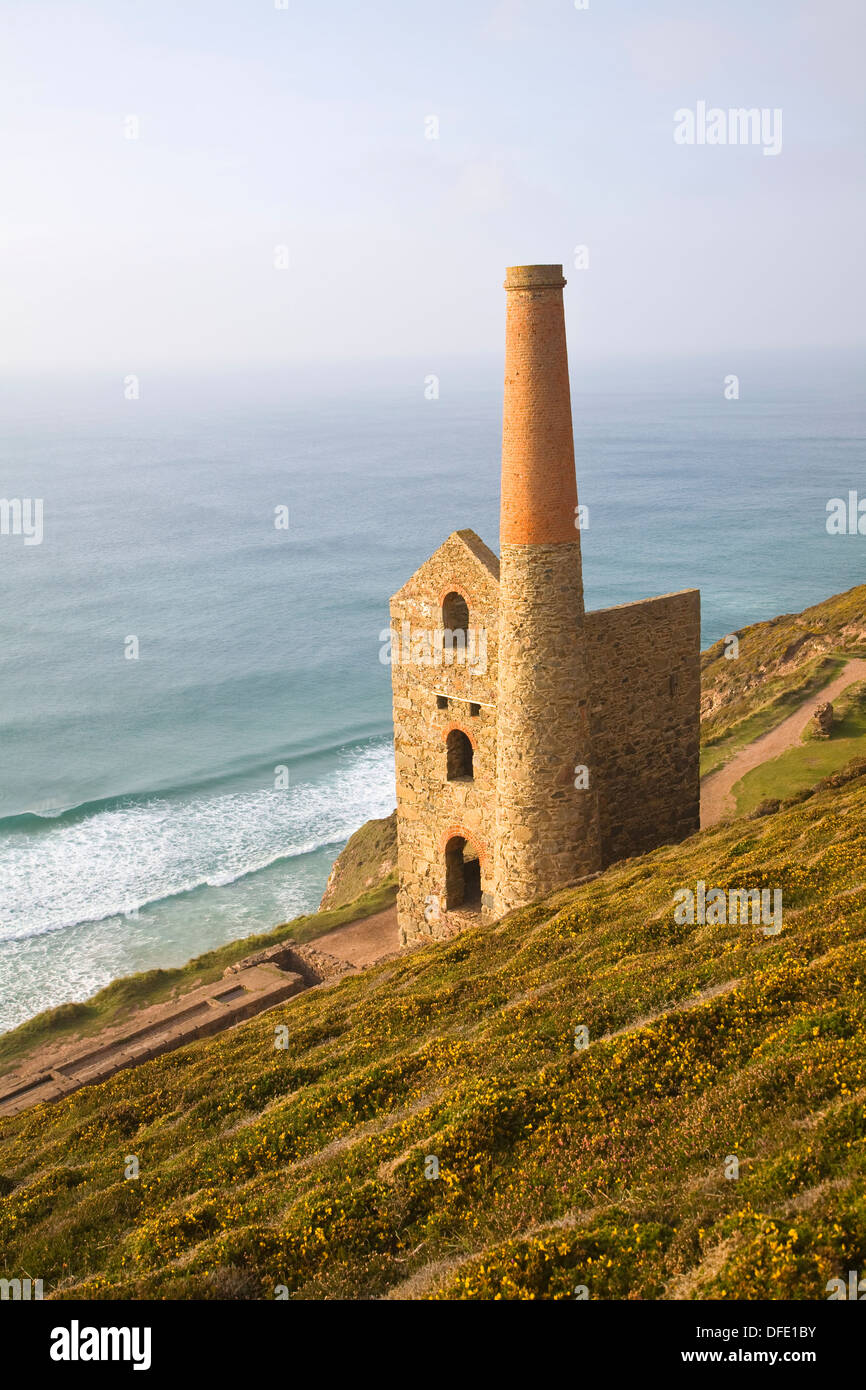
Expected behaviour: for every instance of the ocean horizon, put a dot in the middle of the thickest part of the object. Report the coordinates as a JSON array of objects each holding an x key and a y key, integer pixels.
[{"x": 194, "y": 711}]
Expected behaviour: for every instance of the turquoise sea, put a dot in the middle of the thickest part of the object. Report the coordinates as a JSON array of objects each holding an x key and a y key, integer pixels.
[{"x": 143, "y": 816}]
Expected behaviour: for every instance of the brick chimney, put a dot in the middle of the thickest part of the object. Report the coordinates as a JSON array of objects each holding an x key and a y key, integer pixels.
[
  {"x": 539, "y": 489},
  {"x": 546, "y": 826}
]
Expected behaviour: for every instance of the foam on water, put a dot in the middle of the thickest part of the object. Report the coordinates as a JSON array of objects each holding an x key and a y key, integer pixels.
[
  {"x": 187, "y": 875},
  {"x": 118, "y": 861}
]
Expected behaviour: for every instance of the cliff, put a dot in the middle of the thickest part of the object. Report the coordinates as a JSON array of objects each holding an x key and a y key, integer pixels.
[{"x": 368, "y": 862}]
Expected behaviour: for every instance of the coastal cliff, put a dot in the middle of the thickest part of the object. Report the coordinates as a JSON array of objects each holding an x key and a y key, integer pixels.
[{"x": 368, "y": 862}]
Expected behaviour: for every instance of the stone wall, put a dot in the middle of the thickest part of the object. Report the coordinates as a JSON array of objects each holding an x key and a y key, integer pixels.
[
  {"x": 430, "y": 809},
  {"x": 644, "y": 665},
  {"x": 252, "y": 985},
  {"x": 546, "y": 824},
  {"x": 636, "y": 731}
]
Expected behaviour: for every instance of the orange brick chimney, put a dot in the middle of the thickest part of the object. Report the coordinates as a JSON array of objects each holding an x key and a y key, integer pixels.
[
  {"x": 539, "y": 491},
  {"x": 547, "y": 828}
]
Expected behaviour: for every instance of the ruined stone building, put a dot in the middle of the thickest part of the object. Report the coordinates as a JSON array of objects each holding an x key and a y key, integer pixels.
[{"x": 535, "y": 743}]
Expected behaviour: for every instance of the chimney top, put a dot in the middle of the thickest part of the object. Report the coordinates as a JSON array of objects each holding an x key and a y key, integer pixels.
[
  {"x": 534, "y": 277},
  {"x": 539, "y": 489}
]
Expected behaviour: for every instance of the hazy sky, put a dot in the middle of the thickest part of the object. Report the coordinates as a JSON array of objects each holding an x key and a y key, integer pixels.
[{"x": 305, "y": 127}]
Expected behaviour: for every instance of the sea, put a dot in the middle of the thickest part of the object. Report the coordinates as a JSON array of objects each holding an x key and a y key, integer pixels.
[{"x": 194, "y": 700}]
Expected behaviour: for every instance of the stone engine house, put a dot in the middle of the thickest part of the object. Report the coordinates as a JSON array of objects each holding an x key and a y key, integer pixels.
[{"x": 535, "y": 743}]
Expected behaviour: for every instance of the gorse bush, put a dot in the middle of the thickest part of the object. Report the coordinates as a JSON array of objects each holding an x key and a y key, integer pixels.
[{"x": 437, "y": 1127}]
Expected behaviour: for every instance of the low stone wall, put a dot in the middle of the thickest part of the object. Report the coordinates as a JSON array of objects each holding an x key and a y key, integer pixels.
[{"x": 247, "y": 988}]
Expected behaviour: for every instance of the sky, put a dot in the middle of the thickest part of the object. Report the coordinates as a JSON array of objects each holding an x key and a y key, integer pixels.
[{"x": 282, "y": 200}]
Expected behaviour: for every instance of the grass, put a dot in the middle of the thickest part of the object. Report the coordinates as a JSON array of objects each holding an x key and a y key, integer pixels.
[
  {"x": 558, "y": 1166},
  {"x": 754, "y": 701},
  {"x": 365, "y": 861},
  {"x": 806, "y": 763},
  {"x": 119, "y": 999},
  {"x": 778, "y": 665},
  {"x": 604, "y": 1166},
  {"x": 782, "y": 698}
]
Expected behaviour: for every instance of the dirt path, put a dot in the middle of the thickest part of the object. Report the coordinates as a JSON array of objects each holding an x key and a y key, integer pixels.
[
  {"x": 717, "y": 798},
  {"x": 361, "y": 943}
]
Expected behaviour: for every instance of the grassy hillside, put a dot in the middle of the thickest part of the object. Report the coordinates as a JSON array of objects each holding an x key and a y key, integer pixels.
[
  {"x": 780, "y": 664},
  {"x": 815, "y": 758},
  {"x": 603, "y": 1166}
]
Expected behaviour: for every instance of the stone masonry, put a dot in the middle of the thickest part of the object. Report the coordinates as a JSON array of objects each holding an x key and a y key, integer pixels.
[
  {"x": 534, "y": 743},
  {"x": 433, "y": 699},
  {"x": 546, "y": 826},
  {"x": 249, "y": 986}
]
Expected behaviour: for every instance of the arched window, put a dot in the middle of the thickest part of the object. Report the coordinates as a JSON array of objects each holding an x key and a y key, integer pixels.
[
  {"x": 458, "y": 754},
  {"x": 455, "y": 613},
  {"x": 462, "y": 876}
]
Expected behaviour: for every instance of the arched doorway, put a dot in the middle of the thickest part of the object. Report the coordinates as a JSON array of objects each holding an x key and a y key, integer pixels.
[{"x": 462, "y": 876}]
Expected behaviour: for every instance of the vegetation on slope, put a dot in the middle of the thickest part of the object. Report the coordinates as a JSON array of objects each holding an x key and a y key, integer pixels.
[
  {"x": 780, "y": 664},
  {"x": 761, "y": 710},
  {"x": 776, "y": 671},
  {"x": 559, "y": 1166},
  {"x": 807, "y": 762}
]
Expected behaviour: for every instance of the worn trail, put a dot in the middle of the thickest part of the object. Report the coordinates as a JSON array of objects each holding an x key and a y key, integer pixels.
[{"x": 717, "y": 791}]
